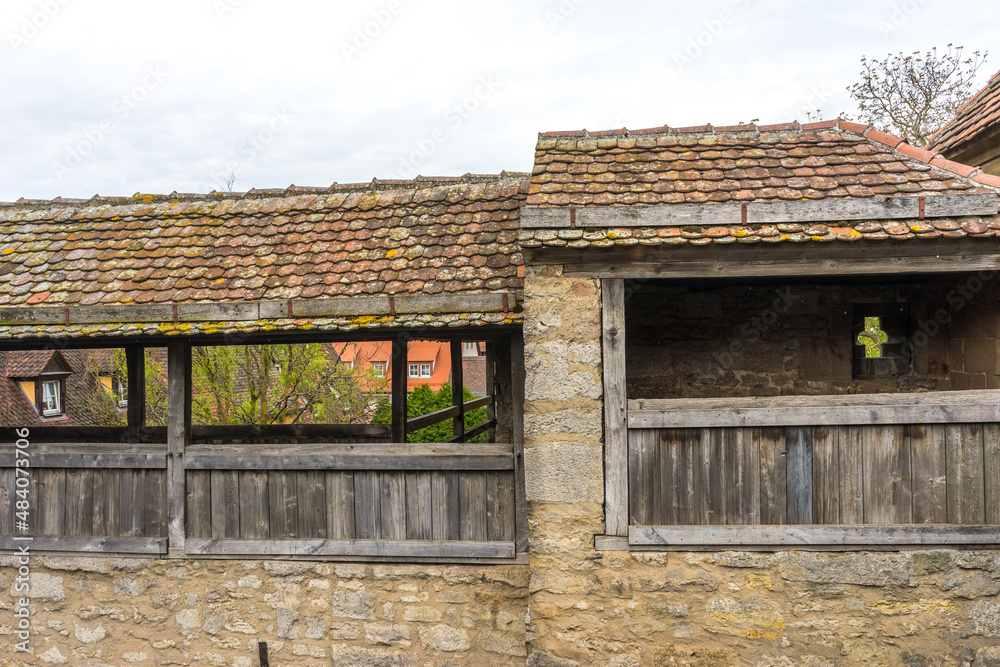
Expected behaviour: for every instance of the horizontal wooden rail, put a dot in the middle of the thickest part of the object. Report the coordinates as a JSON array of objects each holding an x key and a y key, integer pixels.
[
  {"x": 361, "y": 548},
  {"x": 261, "y": 431},
  {"x": 89, "y": 455},
  {"x": 450, "y": 412},
  {"x": 95, "y": 434},
  {"x": 939, "y": 407},
  {"x": 825, "y": 535},
  {"x": 406, "y": 456},
  {"x": 119, "y": 545},
  {"x": 475, "y": 431}
]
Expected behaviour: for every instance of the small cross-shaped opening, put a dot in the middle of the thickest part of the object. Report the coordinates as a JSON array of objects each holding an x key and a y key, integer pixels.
[{"x": 873, "y": 338}]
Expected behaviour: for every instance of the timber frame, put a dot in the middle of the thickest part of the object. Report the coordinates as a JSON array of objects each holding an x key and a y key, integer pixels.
[{"x": 172, "y": 459}]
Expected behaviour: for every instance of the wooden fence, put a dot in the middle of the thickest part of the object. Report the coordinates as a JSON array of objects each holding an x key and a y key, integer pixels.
[
  {"x": 841, "y": 470},
  {"x": 337, "y": 491}
]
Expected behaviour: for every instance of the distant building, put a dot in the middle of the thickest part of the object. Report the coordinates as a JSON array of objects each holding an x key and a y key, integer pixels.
[
  {"x": 427, "y": 362},
  {"x": 972, "y": 137}
]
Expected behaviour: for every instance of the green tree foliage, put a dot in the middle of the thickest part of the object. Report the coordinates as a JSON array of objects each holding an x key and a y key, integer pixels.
[
  {"x": 279, "y": 384},
  {"x": 424, "y": 400},
  {"x": 912, "y": 96}
]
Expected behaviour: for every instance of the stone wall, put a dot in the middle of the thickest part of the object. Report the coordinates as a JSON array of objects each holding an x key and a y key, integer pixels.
[
  {"x": 109, "y": 611},
  {"x": 622, "y": 609}
]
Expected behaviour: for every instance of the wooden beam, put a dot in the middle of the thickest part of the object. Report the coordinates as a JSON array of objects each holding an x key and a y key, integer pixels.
[
  {"x": 773, "y": 268},
  {"x": 135, "y": 383},
  {"x": 91, "y": 455},
  {"x": 320, "y": 432},
  {"x": 398, "y": 380},
  {"x": 610, "y": 543},
  {"x": 815, "y": 535},
  {"x": 494, "y": 386},
  {"x": 937, "y": 407},
  {"x": 405, "y": 456},
  {"x": 517, "y": 426},
  {"x": 487, "y": 426},
  {"x": 798, "y": 475},
  {"x": 384, "y": 548},
  {"x": 115, "y": 545},
  {"x": 457, "y": 388},
  {"x": 178, "y": 435},
  {"x": 816, "y": 210},
  {"x": 615, "y": 432}
]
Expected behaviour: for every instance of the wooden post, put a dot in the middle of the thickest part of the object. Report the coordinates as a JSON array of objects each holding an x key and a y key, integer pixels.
[
  {"x": 135, "y": 371},
  {"x": 615, "y": 432},
  {"x": 502, "y": 386},
  {"x": 491, "y": 386},
  {"x": 399, "y": 389},
  {"x": 457, "y": 388},
  {"x": 517, "y": 425},
  {"x": 178, "y": 435}
]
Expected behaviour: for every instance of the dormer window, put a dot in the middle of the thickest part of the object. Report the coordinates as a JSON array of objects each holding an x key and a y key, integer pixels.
[{"x": 51, "y": 402}]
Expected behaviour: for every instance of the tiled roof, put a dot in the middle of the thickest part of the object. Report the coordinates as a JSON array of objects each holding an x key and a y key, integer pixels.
[
  {"x": 428, "y": 236},
  {"x": 980, "y": 113},
  {"x": 27, "y": 363},
  {"x": 744, "y": 164}
]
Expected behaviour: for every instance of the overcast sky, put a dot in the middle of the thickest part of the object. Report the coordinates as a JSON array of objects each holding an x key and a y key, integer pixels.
[{"x": 115, "y": 97}]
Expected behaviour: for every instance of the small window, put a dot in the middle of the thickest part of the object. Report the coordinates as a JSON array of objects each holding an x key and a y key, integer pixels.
[
  {"x": 378, "y": 370},
  {"x": 880, "y": 336},
  {"x": 414, "y": 370},
  {"x": 425, "y": 370},
  {"x": 51, "y": 398}
]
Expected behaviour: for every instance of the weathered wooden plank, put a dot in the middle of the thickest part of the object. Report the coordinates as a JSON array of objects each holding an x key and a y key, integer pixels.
[
  {"x": 221, "y": 312},
  {"x": 966, "y": 492},
  {"x": 457, "y": 388},
  {"x": 133, "y": 503},
  {"x": 826, "y": 475},
  {"x": 851, "y": 473},
  {"x": 812, "y": 535},
  {"x": 77, "y": 435},
  {"x": 715, "y": 467},
  {"x": 156, "y": 504},
  {"x": 493, "y": 302},
  {"x": 443, "y": 456},
  {"x": 769, "y": 268},
  {"x": 991, "y": 472},
  {"x": 79, "y": 505},
  {"x": 225, "y": 514},
  {"x": 111, "y": 505},
  {"x": 178, "y": 433},
  {"x": 773, "y": 504},
  {"x": 886, "y": 476},
  {"x": 701, "y": 473},
  {"x": 341, "y": 307},
  {"x": 283, "y": 499},
  {"x": 743, "y": 460},
  {"x": 643, "y": 504},
  {"x": 367, "y": 510},
  {"x": 685, "y": 445},
  {"x": 312, "y": 504},
  {"x": 255, "y": 511},
  {"x": 472, "y": 506},
  {"x": 340, "y": 505},
  {"x": 392, "y": 487},
  {"x": 798, "y": 475},
  {"x": 657, "y": 488},
  {"x": 8, "y": 498},
  {"x": 928, "y": 473},
  {"x": 114, "y": 545},
  {"x": 445, "y": 524},
  {"x": 17, "y": 315},
  {"x": 616, "y": 503},
  {"x": 114, "y": 314},
  {"x": 50, "y": 456},
  {"x": 199, "y": 513},
  {"x": 834, "y": 210},
  {"x": 365, "y": 548},
  {"x": 297, "y": 432},
  {"x": 859, "y": 409},
  {"x": 551, "y": 218},
  {"x": 948, "y": 206},
  {"x": 50, "y": 504},
  {"x": 500, "y": 506},
  {"x": 419, "y": 504}
]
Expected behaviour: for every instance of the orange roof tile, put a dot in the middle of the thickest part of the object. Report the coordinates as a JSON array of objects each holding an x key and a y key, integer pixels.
[{"x": 979, "y": 114}]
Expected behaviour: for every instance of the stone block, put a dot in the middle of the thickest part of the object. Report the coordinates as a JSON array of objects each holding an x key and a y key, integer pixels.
[
  {"x": 444, "y": 638},
  {"x": 387, "y": 634},
  {"x": 343, "y": 655},
  {"x": 564, "y": 472},
  {"x": 353, "y": 604}
]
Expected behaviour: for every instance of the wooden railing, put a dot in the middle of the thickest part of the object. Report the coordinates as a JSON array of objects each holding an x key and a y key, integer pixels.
[{"x": 864, "y": 470}]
